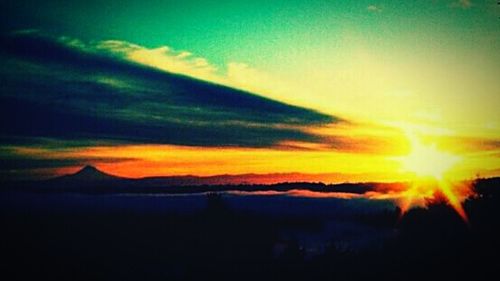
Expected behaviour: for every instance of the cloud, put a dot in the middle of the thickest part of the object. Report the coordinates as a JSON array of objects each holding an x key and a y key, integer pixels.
[
  {"x": 164, "y": 58},
  {"x": 233, "y": 74},
  {"x": 68, "y": 90},
  {"x": 27, "y": 158},
  {"x": 468, "y": 144},
  {"x": 374, "y": 9},
  {"x": 463, "y": 4}
]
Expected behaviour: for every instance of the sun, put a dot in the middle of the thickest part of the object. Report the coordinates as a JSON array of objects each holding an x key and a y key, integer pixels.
[
  {"x": 430, "y": 166},
  {"x": 426, "y": 161}
]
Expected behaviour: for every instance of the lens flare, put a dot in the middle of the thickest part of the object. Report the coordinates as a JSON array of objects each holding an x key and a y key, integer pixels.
[{"x": 430, "y": 167}]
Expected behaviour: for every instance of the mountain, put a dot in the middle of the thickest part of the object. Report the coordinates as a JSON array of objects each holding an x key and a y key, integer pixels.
[
  {"x": 89, "y": 178},
  {"x": 89, "y": 174}
]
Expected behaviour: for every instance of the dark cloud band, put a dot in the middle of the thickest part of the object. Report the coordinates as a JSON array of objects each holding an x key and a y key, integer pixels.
[{"x": 54, "y": 90}]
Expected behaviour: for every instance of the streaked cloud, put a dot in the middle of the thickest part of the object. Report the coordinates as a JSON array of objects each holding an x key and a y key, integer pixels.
[
  {"x": 164, "y": 58},
  {"x": 67, "y": 90},
  {"x": 138, "y": 160},
  {"x": 233, "y": 74}
]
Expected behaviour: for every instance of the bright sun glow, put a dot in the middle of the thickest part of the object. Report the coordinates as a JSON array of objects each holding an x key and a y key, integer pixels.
[
  {"x": 427, "y": 160},
  {"x": 430, "y": 166}
]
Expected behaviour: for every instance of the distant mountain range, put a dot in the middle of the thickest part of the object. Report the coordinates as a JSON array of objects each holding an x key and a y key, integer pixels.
[
  {"x": 91, "y": 180},
  {"x": 90, "y": 174}
]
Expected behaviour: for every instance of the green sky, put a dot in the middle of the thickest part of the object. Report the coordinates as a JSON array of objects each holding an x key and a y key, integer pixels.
[{"x": 262, "y": 32}]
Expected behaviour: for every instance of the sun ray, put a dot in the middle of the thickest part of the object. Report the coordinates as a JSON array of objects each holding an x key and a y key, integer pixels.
[{"x": 430, "y": 167}]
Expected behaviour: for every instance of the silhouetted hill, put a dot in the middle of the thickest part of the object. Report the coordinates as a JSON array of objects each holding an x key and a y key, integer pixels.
[
  {"x": 89, "y": 177},
  {"x": 88, "y": 174}
]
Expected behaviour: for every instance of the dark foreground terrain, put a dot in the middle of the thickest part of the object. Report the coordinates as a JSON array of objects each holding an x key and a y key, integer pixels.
[{"x": 214, "y": 240}]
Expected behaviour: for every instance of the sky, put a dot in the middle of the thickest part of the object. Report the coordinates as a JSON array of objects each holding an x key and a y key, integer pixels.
[{"x": 146, "y": 88}]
